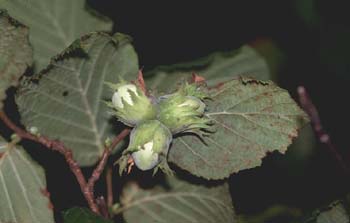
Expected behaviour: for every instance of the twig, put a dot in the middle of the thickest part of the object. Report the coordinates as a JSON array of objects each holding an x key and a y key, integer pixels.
[
  {"x": 109, "y": 184},
  {"x": 23, "y": 134},
  {"x": 86, "y": 187},
  {"x": 59, "y": 147},
  {"x": 103, "y": 207},
  {"x": 74, "y": 166},
  {"x": 89, "y": 189},
  {"x": 323, "y": 137},
  {"x": 119, "y": 138},
  {"x": 97, "y": 172}
]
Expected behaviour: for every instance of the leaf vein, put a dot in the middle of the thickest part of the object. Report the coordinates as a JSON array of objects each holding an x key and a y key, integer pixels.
[
  {"x": 252, "y": 97},
  {"x": 239, "y": 135},
  {"x": 58, "y": 100},
  {"x": 152, "y": 214},
  {"x": 65, "y": 85},
  {"x": 218, "y": 145},
  {"x": 171, "y": 209},
  {"x": 22, "y": 189},
  {"x": 193, "y": 207},
  {"x": 8, "y": 196},
  {"x": 194, "y": 152},
  {"x": 37, "y": 178}
]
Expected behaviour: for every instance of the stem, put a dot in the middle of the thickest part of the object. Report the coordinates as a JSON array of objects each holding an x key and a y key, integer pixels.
[
  {"x": 103, "y": 207},
  {"x": 109, "y": 183},
  {"x": 86, "y": 187},
  {"x": 119, "y": 138},
  {"x": 59, "y": 147},
  {"x": 97, "y": 172},
  {"x": 23, "y": 134},
  {"x": 89, "y": 188},
  {"x": 311, "y": 110},
  {"x": 89, "y": 195}
]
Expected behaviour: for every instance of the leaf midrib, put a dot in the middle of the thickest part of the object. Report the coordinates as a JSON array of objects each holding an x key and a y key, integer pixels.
[
  {"x": 84, "y": 96},
  {"x": 53, "y": 20},
  {"x": 83, "y": 92}
]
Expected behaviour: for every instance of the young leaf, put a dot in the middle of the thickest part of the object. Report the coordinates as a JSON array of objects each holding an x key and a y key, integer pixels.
[
  {"x": 22, "y": 188},
  {"x": 182, "y": 202},
  {"x": 67, "y": 103},
  {"x": 54, "y": 24},
  {"x": 217, "y": 67},
  {"x": 251, "y": 118},
  {"x": 15, "y": 52},
  {"x": 82, "y": 215}
]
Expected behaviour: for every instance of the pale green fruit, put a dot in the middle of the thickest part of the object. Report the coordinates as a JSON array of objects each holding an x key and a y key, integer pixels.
[
  {"x": 145, "y": 158},
  {"x": 181, "y": 113},
  {"x": 149, "y": 144},
  {"x": 131, "y": 106}
]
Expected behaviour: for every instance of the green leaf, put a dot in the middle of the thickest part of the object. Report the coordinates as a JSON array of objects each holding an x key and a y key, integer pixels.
[
  {"x": 15, "y": 53},
  {"x": 334, "y": 213},
  {"x": 82, "y": 215},
  {"x": 54, "y": 24},
  {"x": 251, "y": 118},
  {"x": 180, "y": 202},
  {"x": 216, "y": 68},
  {"x": 68, "y": 104},
  {"x": 22, "y": 188}
]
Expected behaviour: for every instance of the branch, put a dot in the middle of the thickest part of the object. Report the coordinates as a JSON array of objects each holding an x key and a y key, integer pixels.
[
  {"x": 59, "y": 147},
  {"x": 74, "y": 166},
  {"x": 109, "y": 184},
  {"x": 24, "y": 134},
  {"x": 97, "y": 172},
  {"x": 86, "y": 187},
  {"x": 119, "y": 138},
  {"x": 311, "y": 110},
  {"x": 103, "y": 207},
  {"x": 103, "y": 161}
]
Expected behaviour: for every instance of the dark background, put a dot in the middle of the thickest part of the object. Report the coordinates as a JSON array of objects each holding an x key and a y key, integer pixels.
[{"x": 312, "y": 36}]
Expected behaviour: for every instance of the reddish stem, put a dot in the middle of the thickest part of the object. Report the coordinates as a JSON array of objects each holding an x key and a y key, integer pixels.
[
  {"x": 141, "y": 82},
  {"x": 119, "y": 138},
  {"x": 59, "y": 147},
  {"x": 97, "y": 171},
  {"x": 322, "y": 135},
  {"x": 103, "y": 207},
  {"x": 86, "y": 187},
  {"x": 109, "y": 184}
]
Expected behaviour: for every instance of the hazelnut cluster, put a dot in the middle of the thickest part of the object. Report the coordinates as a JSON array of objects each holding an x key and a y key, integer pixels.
[{"x": 156, "y": 120}]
